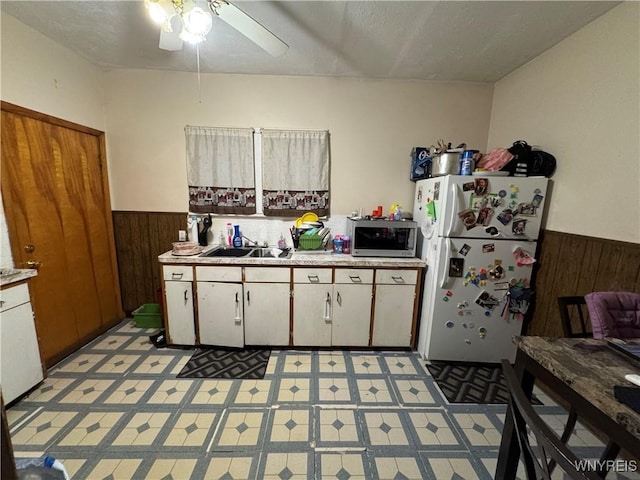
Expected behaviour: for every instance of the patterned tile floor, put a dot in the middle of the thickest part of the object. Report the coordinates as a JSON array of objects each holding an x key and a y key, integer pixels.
[{"x": 116, "y": 411}]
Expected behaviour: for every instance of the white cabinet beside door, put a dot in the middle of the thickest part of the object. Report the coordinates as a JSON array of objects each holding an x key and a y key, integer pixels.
[
  {"x": 178, "y": 290},
  {"x": 352, "y": 302},
  {"x": 394, "y": 307},
  {"x": 312, "y": 307},
  {"x": 266, "y": 306}
]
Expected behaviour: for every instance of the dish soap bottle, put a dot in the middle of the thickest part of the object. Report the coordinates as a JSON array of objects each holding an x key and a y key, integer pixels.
[
  {"x": 281, "y": 242},
  {"x": 237, "y": 237}
]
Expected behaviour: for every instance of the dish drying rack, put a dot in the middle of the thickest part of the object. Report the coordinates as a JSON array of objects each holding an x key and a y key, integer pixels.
[{"x": 314, "y": 239}]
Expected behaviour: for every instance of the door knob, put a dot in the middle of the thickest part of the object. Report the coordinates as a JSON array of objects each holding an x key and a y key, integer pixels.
[
  {"x": 29, "y": 248},
  {"x": 34, "y": 265}
]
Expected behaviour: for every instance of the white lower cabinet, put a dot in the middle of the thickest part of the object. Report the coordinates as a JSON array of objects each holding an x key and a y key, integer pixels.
[
  {"x": 394, "y": 308},
  {"x": 267, "y": 292},
  {"x": 178, "y": 291},
  {"x": 20, "y": 364},
  {"x": 352, "y": 301},
  {"x": 220, "y": 314},
  {"x": 180, "y": 320},
  {"x": 326, "y": 313},
  {"x": 312, "y": 307}
]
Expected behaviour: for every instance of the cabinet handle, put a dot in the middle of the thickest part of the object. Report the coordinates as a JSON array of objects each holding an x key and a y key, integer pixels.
[
  {"x": 355, "y": 278},
  {"x": 397, "y": 279},
  {"x": 248, "y": 296},
  {"x": 327, "y": 308},
  {"x": 185, "y": 296},
  {"x": 236, "y": 317},
  {"x": 339, "y": 299},
  {"x": 313, "y": 278},
  {"x": 176, "y": 276},
  {"x": 2, "y": 302}
]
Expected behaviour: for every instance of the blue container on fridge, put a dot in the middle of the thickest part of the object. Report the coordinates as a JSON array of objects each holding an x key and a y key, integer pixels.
[{"x": 467, "y": 164}]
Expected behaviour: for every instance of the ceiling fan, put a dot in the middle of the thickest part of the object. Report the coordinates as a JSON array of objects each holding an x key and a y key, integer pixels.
[{"x": 184, "y": 20}]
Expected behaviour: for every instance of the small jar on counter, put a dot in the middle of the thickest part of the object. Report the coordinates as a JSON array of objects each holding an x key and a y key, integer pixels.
[
  {"x": 346, "y": 244},
  {"x": 338, "y": 245}
]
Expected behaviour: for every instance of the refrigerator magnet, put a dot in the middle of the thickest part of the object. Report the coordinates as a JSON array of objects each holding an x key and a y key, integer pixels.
[
  {"x": 436, "y": 190},
  {"x": 518, "y": 226},
  {"x": 502, "y": 193},
  {"x": 537, "y": 200},
  {"x": 456, "y": 268},
  {"x": 468, "y": 218},
  {"x": 493, "y": 231},
  {"x": 484, "y": 216},
  {"x": 505, "y": 216},
  {"x": 467, "y": 187},
  {"x": 482, "y": 186},
  {"x": 464, "y": 250},
  {"x": 449, "y": 324},
  {"x": 482, "y": 332},
  {"x": 487, "y": 301},
  {"x": 488, "y": 247}
]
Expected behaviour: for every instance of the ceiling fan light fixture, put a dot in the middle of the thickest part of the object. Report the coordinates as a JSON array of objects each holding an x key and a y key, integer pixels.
[
  {"x": 197, "y": 23},
  {"x": 160, "y": 12}
]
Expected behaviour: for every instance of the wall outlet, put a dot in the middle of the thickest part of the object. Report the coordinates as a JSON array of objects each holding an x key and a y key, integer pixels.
[{"x": 182, "y": 235}]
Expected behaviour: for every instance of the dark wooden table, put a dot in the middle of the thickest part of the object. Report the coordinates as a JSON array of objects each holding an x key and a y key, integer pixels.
[{"x": 583, "y": 372}]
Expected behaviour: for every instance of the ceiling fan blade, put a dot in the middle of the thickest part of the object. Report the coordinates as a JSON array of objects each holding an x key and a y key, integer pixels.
[
  {"x": 252, "y": 29},
  {"x": 171, "y": 40}
]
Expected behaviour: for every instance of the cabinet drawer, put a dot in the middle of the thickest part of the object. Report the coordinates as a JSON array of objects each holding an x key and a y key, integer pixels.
[
  {"x": 182, "y": 272},
  {"x": 219, "y": 274},
  {"x": 312, "y": 275},
  {"x": 353, "y": 275},
  {"x": 267, "y": 274},
  {"x": 396, "y": 277},
  {"x": 14, "y": 296}
]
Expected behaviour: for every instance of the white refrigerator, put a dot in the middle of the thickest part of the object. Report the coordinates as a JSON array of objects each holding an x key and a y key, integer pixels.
[{"x": 478, "y": 236}]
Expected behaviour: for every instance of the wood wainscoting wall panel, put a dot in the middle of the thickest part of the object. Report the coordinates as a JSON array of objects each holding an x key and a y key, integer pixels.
[
  {"x": 571, "y": 264},
  {"x": 140, "y": 238}
]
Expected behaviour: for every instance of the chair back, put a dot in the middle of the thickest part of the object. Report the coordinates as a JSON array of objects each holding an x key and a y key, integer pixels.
[
  {"x": 614, "y": 314},
  {"x": 574, "y": 316},
  {"x": 549, "y": 450}
]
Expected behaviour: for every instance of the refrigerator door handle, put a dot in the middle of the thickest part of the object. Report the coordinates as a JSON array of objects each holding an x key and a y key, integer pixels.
[
  {"x": 443, "y": 275},
  {"x": 453, "y": 210}
]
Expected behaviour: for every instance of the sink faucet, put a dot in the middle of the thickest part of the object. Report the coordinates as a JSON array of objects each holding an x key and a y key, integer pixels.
[{"x": 249, "y": 242}]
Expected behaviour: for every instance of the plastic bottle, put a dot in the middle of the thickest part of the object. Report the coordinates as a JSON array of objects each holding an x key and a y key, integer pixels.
[
  {"x": 34, "y": 463},
  {"x": 222, "y": 241},
  {"x": 281, "y": 242},
  {"x": 398, "y": 213},
  {"x": 229, "y": 234},
  {"x": 237, "y": 237},
  {"x": 51, "y": 462},
  {"x": 346, "y": 244},
  {"x": 194, "y": 229}
]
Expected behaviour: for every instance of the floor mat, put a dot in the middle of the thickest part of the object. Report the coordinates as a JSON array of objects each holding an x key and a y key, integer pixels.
[
  {"x": 471, "y": 383},
  {"x": 222, "y": 363}
]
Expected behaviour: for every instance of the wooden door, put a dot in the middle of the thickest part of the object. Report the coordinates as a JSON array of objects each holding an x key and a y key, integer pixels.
[{"x": 56, "y": 201}]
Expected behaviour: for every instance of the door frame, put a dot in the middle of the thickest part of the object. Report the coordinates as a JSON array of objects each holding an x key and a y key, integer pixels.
[{"x": 16, "y": 251}]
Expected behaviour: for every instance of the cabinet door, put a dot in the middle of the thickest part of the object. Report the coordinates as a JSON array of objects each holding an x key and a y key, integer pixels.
[
  {"x": 180, "y": 321},
  {"x": 20, "y": 364},
  {"x": 351, "y": 315},
  {"x": 220, "y": 314},
  {"x": 312, "y": 305},
  {"x": 393, "y": 315},
  {"x": 266, "y": 313}
]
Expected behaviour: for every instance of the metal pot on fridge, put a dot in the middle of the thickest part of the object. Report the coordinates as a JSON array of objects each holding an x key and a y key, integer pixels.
[{"x": 446, "y": 163}]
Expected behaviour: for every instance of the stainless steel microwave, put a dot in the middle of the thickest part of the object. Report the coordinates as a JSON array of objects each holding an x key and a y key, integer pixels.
[{"x": 382, "y": 238}]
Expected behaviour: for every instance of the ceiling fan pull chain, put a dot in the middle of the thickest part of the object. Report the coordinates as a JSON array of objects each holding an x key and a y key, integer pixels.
[{"x": 198, "y": 62}]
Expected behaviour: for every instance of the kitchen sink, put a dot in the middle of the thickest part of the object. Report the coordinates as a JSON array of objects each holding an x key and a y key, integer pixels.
[
  {"x": 228, "y": 252},
  {"x": 269, "y": 253},
  {"x": 255, "y": 252}
]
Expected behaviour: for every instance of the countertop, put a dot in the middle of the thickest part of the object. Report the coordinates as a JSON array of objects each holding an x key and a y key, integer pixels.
[
  {"x": 9, "y": 277},
  {"x": 297, "y": 259}
]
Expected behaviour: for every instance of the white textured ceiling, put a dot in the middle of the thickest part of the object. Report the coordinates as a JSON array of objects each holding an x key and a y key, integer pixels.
[{"x": 478, "y": 41}]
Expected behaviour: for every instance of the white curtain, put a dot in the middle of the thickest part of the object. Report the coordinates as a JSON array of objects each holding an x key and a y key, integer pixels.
[
  {"x": 220, "y": 170},
  {"x": 295, "y": 172}
]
